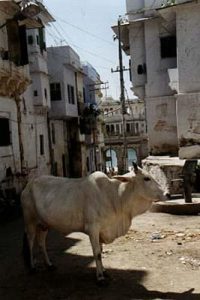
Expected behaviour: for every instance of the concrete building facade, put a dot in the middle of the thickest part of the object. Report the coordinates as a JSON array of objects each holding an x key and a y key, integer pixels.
[
  {"x": 41, "y": 102},
  {"x": 71, "y": 121},
  {"x": 161, "y": 38},
  {"x": 18, "y": 121}
]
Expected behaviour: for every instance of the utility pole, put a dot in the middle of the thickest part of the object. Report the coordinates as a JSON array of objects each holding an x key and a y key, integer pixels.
[{"x": 121, "y": 70}]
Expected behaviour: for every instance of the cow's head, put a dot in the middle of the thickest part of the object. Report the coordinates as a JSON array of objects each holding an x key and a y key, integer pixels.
[{"x": 142, "y": 184}]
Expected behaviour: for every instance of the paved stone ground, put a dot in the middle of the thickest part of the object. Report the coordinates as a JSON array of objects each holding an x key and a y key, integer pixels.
[{"x": 158, "y": 259}]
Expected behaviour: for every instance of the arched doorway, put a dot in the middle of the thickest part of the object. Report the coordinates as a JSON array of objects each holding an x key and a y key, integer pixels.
[
  {"x": 111, "y": 160},
  {"x": 132, "y": 157}
]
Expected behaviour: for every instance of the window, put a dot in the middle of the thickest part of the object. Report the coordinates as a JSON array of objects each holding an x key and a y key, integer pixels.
[
  {"x": 107, "y": 128},
  {"x": 70, "y": 90},
  {"x": 41, "y": 144},
  {"x": 168, "y": 46},
  {"x": 136, "y": 128},
  {"x": 4, "y": 132},
  {"x": 55, "y": 91},
  {"x": 117, "y": 128},
  {"x": 37, "y": 38},
  {"x": 35, "y": 93},
  {"x": 128, "y": 129},
  {"x": 41, "y": 39},
  {"x": 30, "y": 39},
  {"x": 84, "y": 95},
  {"x": 45, "y": 93}
]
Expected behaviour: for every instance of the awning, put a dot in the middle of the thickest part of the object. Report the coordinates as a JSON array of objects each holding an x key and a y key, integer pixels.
[{"x": 14, "y": 9}]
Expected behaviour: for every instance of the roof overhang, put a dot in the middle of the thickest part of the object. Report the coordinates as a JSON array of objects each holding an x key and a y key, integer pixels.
[
  {"x": 32, "y": 14},
  {"x": 31, "y": 23},
  {"x": 44, "y": 15}
]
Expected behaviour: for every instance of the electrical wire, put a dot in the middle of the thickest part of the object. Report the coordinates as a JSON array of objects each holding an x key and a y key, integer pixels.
[
  {"x": 89, "y": 52},
  {"x": 85, "y": 31}
]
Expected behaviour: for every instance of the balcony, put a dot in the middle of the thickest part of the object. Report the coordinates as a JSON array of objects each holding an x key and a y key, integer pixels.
[
  {"x": 38, "y": 64},
  {"x": 115, "y": 138},
  {"x": 14, "y": 79}
]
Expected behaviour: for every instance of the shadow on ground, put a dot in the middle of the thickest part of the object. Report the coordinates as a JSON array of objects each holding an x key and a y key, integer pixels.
[{"x": 74, "y": 278}]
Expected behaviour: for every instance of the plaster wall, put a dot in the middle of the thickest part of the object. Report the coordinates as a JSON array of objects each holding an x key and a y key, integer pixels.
[
  {"x": 136, "y": 37},
  {"x": 161, "y": 125},
  {"x": 59, "y": 144},
  {"x": 136, "y": 5},
  {"x": 157, "y": 68},
  {"x": 60, "y": 71},
  {"x": 69, "y": 79},
  {"x": 188, "y": 120},
  {"x": 188, "y": 36}
]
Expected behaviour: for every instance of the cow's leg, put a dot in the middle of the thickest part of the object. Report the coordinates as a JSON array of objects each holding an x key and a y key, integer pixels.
[
  {"x": 41, "y": 239},
  {"x": 28, "y": 244},
  {"x": 96, "y": 247}
]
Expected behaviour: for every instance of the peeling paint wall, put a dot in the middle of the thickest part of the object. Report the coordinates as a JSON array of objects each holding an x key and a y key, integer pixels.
[
  {"x": 162, "y": 129},
  {"x": 188, "y": 120},
  {"x": 188, "y": 101}
]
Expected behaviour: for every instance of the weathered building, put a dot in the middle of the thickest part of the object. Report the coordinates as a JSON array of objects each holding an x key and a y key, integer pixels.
[
  {"x": 73, "y": 123},
  {"x": 63, "y": 66},
  {"x": 161, "y": 38},
  {"x": 124, "y": 139},
  {"x": 91, "y": 122},
  {"x": 17, "y": 120},
  {"x": 36, "y": 103}
]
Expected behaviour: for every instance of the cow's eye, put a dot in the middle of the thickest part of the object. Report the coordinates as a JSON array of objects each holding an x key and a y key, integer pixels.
[{"x": 147, "y": 178}]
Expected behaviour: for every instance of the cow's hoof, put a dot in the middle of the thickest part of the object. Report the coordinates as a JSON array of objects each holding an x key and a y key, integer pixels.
[
  {"x": 103, "y": 282},
  {"x": 51, "y": 268}
]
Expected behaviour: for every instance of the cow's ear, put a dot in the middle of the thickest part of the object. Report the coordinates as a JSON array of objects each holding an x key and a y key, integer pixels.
[{"x": 122, "y": 178}]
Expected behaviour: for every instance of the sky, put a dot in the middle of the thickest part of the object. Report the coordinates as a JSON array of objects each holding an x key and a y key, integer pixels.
[{"x": 85, "y": 25}]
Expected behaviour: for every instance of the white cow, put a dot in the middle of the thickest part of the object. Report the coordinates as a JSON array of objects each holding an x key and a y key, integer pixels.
[{"x": 96, "y": 205}]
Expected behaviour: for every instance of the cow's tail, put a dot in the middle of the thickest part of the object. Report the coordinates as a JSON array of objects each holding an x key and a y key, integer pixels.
[{"x": 26, "y": 251}]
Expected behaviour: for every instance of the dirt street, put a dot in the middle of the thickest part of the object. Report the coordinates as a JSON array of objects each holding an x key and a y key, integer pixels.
[{"x": 158, "y": 259}]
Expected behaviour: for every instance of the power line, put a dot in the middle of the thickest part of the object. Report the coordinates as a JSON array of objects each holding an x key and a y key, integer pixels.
[
  {"x": 85, "y": 31},
  {"x": 89, "y": 52}
]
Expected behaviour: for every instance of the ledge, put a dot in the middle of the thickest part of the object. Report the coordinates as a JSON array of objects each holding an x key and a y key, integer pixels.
[{"x": 178, "y": 206}]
